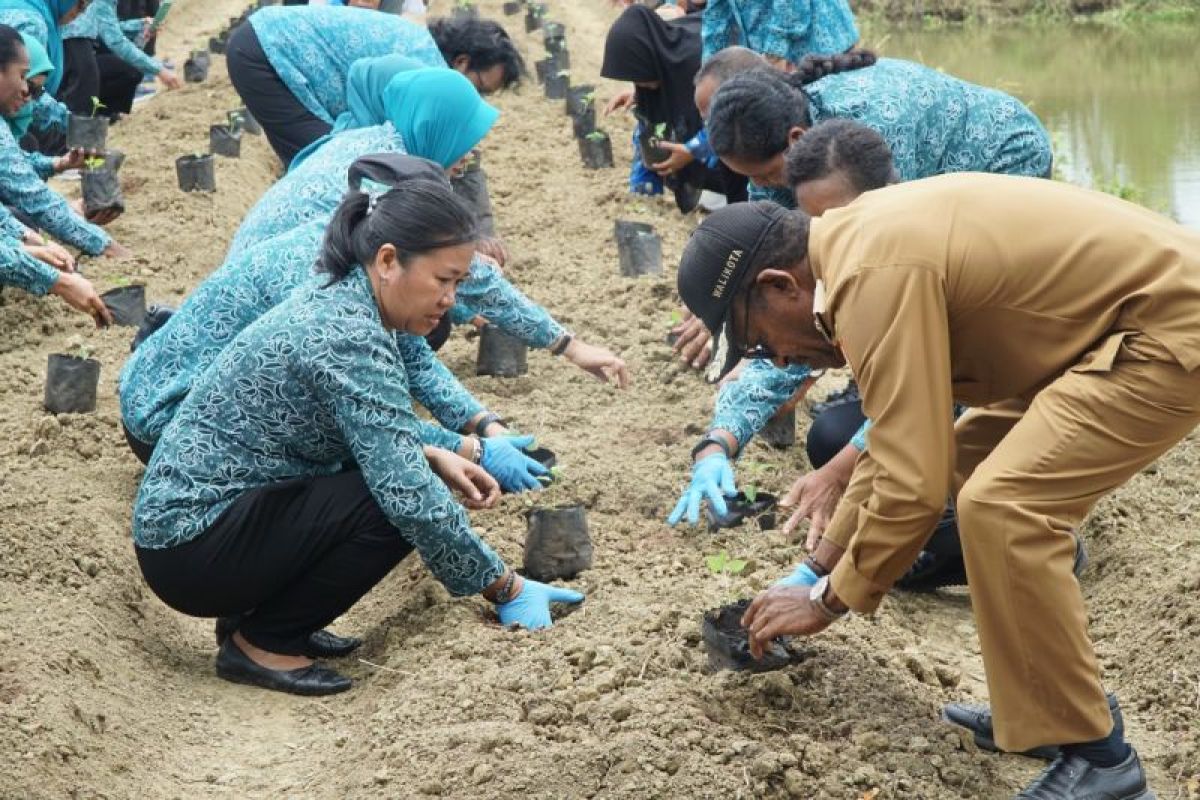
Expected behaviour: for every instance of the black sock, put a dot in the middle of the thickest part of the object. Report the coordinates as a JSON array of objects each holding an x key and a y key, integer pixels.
[{"x": 1106, "y": 752}]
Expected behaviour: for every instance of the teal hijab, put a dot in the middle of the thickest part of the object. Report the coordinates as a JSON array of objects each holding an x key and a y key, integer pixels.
[
  {"x": 365, "y": 85},
  {"x": 39, "y": 64},
  {"x": 436, "y": 111},
  {"x": 50, "y": 11}
]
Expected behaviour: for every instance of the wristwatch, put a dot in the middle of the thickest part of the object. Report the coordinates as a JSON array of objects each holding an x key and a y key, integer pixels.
[{"x": 817, "y": 596}]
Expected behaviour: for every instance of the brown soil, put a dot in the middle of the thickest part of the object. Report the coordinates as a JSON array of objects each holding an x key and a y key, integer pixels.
[{"x": 105, "y": 693}]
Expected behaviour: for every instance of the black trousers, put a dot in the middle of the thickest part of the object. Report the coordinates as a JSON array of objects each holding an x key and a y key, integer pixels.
[
  {"x": 81, "y": 75},
  {"x": 831, "y": 431},
  {"x": 290, "y": 558},
  {"x": 92, "y": 71},
  {"x": 288, "y": 125}
]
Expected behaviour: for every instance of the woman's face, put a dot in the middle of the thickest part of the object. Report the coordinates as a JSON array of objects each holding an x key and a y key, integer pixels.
[
  {"x": 14, "y": 91},
  {"x": 414, "y": 297},
  {"x": 773, "y": 171}
]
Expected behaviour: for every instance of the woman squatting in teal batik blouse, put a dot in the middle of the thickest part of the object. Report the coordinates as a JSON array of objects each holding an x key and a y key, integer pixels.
[
  {"x": 166, "y": 365},
  {"x": 293, "y": 477}
]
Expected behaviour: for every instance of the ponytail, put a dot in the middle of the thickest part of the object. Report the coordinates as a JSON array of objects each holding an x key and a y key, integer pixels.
[
  {"x": 416, "y": 217},
  {"x": 814, "y": 67}
]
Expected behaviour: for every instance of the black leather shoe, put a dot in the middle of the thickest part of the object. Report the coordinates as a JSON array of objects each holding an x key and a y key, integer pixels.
[
  {"x": 978, "y": 720},
  {"x": 940, "y": 564},
  {"x": 321, "y": 644},
  {"x": 1072, "y": 777},
  {"x": 234, "y": 665}
]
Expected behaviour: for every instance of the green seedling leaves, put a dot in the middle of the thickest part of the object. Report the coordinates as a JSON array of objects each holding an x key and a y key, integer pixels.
[{"x": 724, "y": 564}]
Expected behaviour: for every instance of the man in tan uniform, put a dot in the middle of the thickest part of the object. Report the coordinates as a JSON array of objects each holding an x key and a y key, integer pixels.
[{"x": 1067, "y": 319}]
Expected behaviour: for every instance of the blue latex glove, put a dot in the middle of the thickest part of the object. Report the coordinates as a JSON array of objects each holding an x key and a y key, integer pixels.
[
  {"x": 712, "y": 480},
  {"x": 801, "y": 576},
  {"x": 531, "y": 608},
  {"x": 505, "y": 460}
]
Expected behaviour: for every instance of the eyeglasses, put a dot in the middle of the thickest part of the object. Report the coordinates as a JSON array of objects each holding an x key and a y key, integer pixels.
[{"x": 760, "y": 351}]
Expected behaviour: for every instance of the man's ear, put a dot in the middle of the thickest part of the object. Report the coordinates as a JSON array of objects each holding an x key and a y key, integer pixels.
[
  {"x": 794, "y": 134},
  {"x": 779, "y": 280},
  {"x": 461, "y": 63}
]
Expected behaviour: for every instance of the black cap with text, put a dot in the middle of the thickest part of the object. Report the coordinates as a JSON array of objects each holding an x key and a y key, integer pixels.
[{"x": 715, "y": 263}]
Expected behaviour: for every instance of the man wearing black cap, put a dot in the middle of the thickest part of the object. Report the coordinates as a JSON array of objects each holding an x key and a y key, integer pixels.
[{"x": 1066, "y": 319}]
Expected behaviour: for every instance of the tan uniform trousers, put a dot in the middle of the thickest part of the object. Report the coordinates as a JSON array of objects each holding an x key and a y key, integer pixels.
[{"x": 1029, "y": 472}]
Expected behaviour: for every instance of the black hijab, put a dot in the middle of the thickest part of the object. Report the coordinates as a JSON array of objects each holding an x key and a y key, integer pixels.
[{"x": 642, "y": 46}]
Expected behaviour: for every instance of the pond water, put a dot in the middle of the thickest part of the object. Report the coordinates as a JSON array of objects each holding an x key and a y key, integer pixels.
[{"x": 1121, "y": 103}]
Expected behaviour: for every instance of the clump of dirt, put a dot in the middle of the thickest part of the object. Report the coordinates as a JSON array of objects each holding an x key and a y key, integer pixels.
[{"x": 105, "y": 692}]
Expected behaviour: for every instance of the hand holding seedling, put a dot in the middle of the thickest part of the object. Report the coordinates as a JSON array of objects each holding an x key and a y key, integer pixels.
[
  {"x": 504, "y": 458},
  {"x": 599, "y": 362},
  {"x": 712, "y": 480},
  {"x": 815, "y": 496},
  {"x": 74, "y": 158},
  {"x": 77, "y": 292},
  {"x": 694, "y": 342},
  {"x": 781, "y": 611},
  {"x": 621, "y": 102},
  {"x": 680, "y": 157},
  {"x": 478, "y": 488}
]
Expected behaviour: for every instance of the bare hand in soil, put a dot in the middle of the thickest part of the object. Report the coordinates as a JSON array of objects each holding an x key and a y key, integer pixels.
[
  {"x": 599, "y": 362},
  {"x": 694, "y": 342},
  {"x": 73, "y": 159},
  {"x": 103, "y": 217},
  {"x": 170, "y": 79},
  {"x": 680, "y": 157},
  {"x": 479, "y": 489},
  {"x": 622, "y": 102},
  {"x": 53, "y": 254},
  {"x": 117, "y": 250},
  {"x": 493, "y": 249},
  {"x": 815, "y": 497},
  {"x": 781, "y": 611},
  {"x": 77, "y": 292}
]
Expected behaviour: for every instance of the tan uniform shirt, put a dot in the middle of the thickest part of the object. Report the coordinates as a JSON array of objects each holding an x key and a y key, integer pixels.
[{"x": 979, "y": 288}]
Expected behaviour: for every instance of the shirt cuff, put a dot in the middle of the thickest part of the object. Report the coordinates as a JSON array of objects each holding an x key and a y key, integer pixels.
[{"x": 854, "y": 589}]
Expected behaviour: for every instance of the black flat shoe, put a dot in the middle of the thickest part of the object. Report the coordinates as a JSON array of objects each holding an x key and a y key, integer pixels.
[
  {"x": 1072, "y": 777},
  {"x": 978, "y": 720},
  {"x": 322, "y": 644},
  {"x": 313, "y": 680}
]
